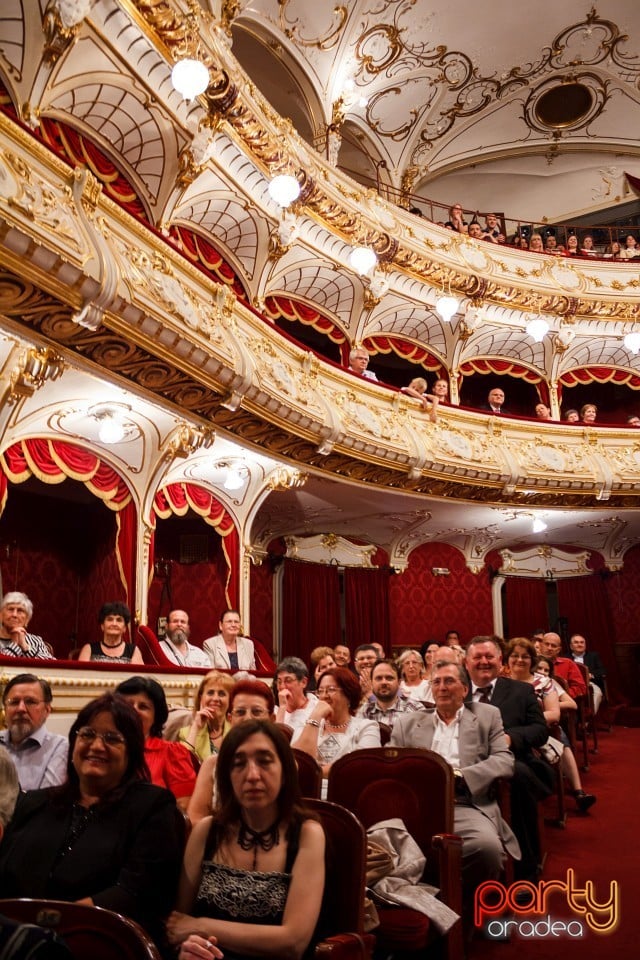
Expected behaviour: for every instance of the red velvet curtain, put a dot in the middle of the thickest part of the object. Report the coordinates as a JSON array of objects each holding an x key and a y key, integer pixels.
[
  {"x": 310, "y": 608},
  {"x": 366, "y": 600},
  {"x": 584, "y": 603},
  {"x": 178, "y": 498},
  {"x": 525, "y": 605},
  {"x": 51, "y": 461}
]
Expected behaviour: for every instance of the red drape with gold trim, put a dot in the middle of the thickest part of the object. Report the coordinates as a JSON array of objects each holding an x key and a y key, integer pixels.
[
  {"x": 203, "y": 253},
  {"x": 403, "y": 348},
  {"x": 178, "y": 498},
  {"x": 282, "y": 307},
  {"x": 52, "y": 461},
  {"x": 485, "y": 365}
]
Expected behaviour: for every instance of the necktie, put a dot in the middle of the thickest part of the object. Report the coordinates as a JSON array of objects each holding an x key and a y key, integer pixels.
[{"x": 485, "y": 694}]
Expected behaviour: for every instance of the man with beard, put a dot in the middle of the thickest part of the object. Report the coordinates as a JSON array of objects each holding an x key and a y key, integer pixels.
[
  {"x": 40, "y": 757},
  {"x": 176, "y": 646},
  {"x": 387, "y": 700}
]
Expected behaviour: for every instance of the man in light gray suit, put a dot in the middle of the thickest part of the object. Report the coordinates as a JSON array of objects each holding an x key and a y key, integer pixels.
[{"x": 471, "y": 738}]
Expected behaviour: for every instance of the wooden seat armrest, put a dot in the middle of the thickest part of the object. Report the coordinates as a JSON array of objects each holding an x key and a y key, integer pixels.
[
  {"x": 346, "y": 946},
  {"x": 448, "y": 848}
]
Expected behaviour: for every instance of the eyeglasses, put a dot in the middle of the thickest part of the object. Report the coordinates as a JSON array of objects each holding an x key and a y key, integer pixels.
[
  {"x": 520, "y": 656},
  {"x": 110, "y": 738},
  {"x": 29, "y": 702},
  {"x": 322, "y": 690},
  {"x": 254, "y": 712}
]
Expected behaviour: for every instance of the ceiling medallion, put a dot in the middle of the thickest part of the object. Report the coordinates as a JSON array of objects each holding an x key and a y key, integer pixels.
[{"x": 564, "y": 106}]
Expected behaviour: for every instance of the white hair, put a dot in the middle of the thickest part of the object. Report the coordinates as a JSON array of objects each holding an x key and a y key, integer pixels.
[{"x": 20, "y": 600}]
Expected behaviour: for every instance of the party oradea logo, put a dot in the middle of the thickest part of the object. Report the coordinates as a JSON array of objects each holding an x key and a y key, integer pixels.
[{"x": 547, "y": 910}]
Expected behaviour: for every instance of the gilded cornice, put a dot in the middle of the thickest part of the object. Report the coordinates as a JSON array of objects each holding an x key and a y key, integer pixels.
[{"x": 500, "y": 276}]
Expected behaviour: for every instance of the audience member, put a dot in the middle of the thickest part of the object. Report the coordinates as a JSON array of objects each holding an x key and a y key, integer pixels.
[
  {"x": 228, "y": 649},
  {"x": 342, "y": 655},
  {"x": 550, "y": 243},
  {"x": 535, "y": 243},
  {"x": 613, "y": 251},
  {"x": 253, "y": 875},
  {"x": 440, "y": 390},
  {"x": 593, "y": 663},
  {"x": 249, "y": 700},
  {"x": 169, "y": 763},
  {"x": 428, "y": 652},
  {"x": 563, "y": 666},
  {"x": 587, "y": 249},
  {"x": 588, "y": 413},
  {"x": 106, "y": 837},
  {"x": 495, "y": 400},
  {"x": 456, "y": 221},
  {"x": 571, "y": 416},
  {"x": 633, "y": 420},
  {"x": 418, "y": 389},
  {"x": 332, "y": 729},
  {"x": 321, "y": 659},
  {"x": 522, "y": 661},
  {"x": 492, "y": 227},
  {"x": 176, "y": 644},
  {"x": 471, "y": 738},
  {"x": 572, "y": 245},
  {"x": 629, "y": 251},
  {"x": 365, "y": 656},
  {"x": 40, "y": 757},
  {"x": 15, "y": 613},
  {"x": 543, "y": 412},
  {"x": 387, "y": 700},
  {"x": 295, "y": 703},
  {"x": 525, "y": 730},
  {"x": 451, "y": 636},
  {"x": 411, "y": 667},
  {"x": 358, "y": 363},
  {"x": 209, "y": 726},
  {"x": 114, "y": 619}
]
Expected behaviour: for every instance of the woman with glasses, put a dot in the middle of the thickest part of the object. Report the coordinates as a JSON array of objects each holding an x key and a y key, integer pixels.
[
  {"x": 169, "y": 763},
  {"x": 413, "y": 681},
  {"x": 204, "y": 735},
  {"x": 253, "y": 874},
  {"x": 106, "y": 837},
  {"x": 331, "y": 730},
  {"x": 248, "y": 700}
]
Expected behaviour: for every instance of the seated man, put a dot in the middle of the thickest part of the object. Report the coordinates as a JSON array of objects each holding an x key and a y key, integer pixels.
[
  {"x": 15, "y": 613},
  {"x": 358, "y": 362},
  {"x": 40, "y": 757},
  {"x": 471, "y": 738},
  {"x": 563, "y": 667},
  {"x": 342, "y": 656},
  {"x": 495, "y": 400},
  {"x": 387, "y": 700},
  {"x": 294, "y": 703},
  {"x": 594, "y": 665},
  {"x": 364, "y": 658},
  {"x": 176, "y": 644}
]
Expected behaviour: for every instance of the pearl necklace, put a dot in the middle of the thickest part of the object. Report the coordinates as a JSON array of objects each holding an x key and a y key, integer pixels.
[{"x": 338, "y": 726}]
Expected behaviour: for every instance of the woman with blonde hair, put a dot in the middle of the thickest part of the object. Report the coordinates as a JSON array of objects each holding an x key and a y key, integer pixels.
[
  {"x": 204, "y": 735},
  {"x": 412, "y": 671}
]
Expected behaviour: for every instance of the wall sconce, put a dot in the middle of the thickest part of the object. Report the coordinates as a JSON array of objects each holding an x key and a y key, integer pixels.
[
  {"x": 287, "y": 479},
  {"x": 39, "y": 366},
  {"x": 537, "y": 329},
  {"x": 446, "y": 306},
  {"x": 114, "y": 425},
  {"x": 284, "y": 189},
  {"x": 632, "y": 342},
  {"x": 363, "y": 260},
  {"x": 190, "y": 78}
]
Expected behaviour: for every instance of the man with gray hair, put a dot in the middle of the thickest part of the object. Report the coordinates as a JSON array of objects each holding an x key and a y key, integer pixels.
[
  {"x": 358, "y": 363},
  {"x": 15, "y": 613},
  {"x": 294, "y": 703},
  {"x": 176, "y": 646},
  {"x": 40, "y": 757}
]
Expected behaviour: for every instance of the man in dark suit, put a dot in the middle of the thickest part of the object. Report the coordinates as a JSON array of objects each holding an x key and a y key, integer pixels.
[
  {"x": 471, "y": 738},
  {"x": 525, "y": 728},
  {"x": 594, "y": 665},
  {"x": 495, "y": 401}
]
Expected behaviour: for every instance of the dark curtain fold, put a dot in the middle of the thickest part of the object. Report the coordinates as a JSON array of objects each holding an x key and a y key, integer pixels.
[
  {"x": 310, "y": 608},
  {"x": 366, "y": 601},
  {"x": 584, "y": 603},
  {"x": 525, "y": 605}
]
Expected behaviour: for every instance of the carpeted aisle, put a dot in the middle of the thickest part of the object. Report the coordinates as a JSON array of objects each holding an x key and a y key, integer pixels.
[{"x": 600, "y": 847}]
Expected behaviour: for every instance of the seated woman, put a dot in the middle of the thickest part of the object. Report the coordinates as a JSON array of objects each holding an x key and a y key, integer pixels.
[
  {"x": 204, "y": 735},
  {"x": 253, "y": 874},
  {"x": 331, "y": 729},
  {"x": 249, "y": 700},
  {"x": 543, "y": 412},
  {"x": 418, "y": 389},
  {"x": 321, "y": 658},
  {"x": 170, "y": 764},
  {"x": 114, "y": 618},
  {"x": 588, "y": 413},
  {"x": 413, "y": 681},
  {"x": 630, "y": 249},
  {"x": 229, "y": 650},
  {"x": 571, "y": 416},
  {"x": 107, "y": 837},
  {"x": 572, "y": 245}
]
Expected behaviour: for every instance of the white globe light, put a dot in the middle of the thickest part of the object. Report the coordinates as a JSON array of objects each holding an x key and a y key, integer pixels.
[
  {"x": 538, "y": 525},
  {"x": 284, "y": 189},
  {"x": 234, "y": 479},
  {"x": 632, "y": 342},
  {"x": 190, "y": 78},
  {"x": 446, "y": 306},
  {"x": 111, "y": 429},
  {"x": 363, "y": 260},
  {"x": 537, "y": 329}
]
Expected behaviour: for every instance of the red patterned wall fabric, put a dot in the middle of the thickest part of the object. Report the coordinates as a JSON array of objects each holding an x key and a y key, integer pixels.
[
  {"x": 78, "y": 149},
  {"x": 261, "y": 593},
  {"x": 203, "y": 253},
  {"x": 422, "y": 606},
  {"x": 277, "y": 307},
  {"x": 51, "y": 461},
  {"x": 179, "y": 498},
  {"x": 197, "y": 588},
  {"x": 405, "y": 349}
]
